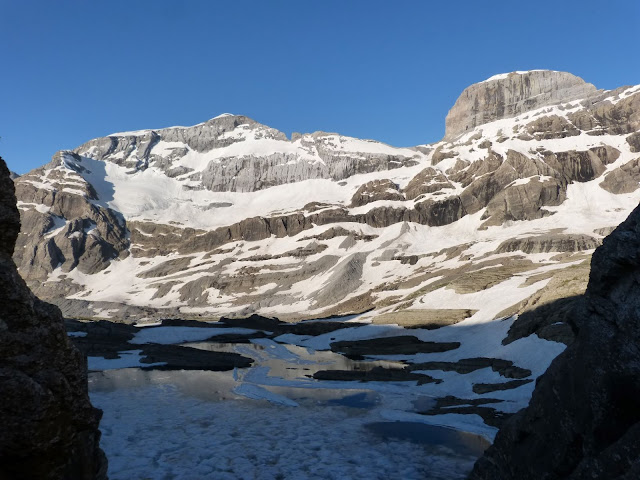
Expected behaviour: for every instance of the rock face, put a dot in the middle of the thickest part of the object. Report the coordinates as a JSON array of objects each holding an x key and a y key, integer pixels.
[
  {"x": 549, "y": 243},
  {"x": 49, "y": 428},
  {"x": 89, "y": 240},
  {"x": 219, "y": 218},
  {"x": 507, "y": 95},
  {"x": 624, "y": 179},
  {"x": 583, "y": 420},
  {"x": 374, "y": 191},
  {"x": 235, "y": 153}
]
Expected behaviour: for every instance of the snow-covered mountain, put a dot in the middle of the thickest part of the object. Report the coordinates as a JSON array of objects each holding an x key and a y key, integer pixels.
[{"x": 230, "y": 217}]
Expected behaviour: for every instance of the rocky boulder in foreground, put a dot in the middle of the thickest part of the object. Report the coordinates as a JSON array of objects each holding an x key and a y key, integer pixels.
[
  {"x": 49, "y": 429},
  {"x": 583, "y": 420}
]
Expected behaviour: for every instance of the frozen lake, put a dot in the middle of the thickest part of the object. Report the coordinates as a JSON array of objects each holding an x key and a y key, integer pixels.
[
  {"x": 271, "y": 421},
  {"x": 257, "y": 398}
]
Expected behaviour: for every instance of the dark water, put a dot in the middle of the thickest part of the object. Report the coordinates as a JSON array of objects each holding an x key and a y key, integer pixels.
[
  {"x": 462, "y": 443},
  {"x": 356, "y": 400}
]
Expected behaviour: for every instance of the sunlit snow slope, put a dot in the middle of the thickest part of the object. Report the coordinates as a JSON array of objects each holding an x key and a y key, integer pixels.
[{"x": 230, "y": 217}]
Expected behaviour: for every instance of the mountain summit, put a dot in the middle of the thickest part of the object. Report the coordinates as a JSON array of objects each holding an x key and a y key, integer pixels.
[
  {"x": 508, "y": 95},
  {"x": 230, "y": 217}
]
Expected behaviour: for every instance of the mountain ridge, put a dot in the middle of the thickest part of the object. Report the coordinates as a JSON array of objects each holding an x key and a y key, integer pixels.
[
  {"x": 483, "y": 241},
  {"x": 182, "y": 211}
]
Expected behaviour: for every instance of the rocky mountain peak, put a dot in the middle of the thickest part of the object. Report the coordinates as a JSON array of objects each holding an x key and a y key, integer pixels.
[
  {"x": 509, "y": 94},
  {"x": 239, "y": 196},
  {"x": 219, "y": 124},
  {"x": 218, "y": 132}
]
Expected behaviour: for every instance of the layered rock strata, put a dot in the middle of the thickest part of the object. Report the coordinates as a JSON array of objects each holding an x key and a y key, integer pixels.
[
  {"x": 232, "y": 217},
  {"x": 49, "y": 427},
  {"x": 507, "y": 95}
]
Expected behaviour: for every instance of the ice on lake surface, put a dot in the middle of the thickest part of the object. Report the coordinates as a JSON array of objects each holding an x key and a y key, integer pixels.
[
  {"x": 188, "y": 425},
  {"x": 271, "y": 421}
]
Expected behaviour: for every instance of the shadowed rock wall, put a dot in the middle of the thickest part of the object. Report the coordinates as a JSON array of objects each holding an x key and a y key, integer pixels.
[
  {"x": 583, "y": 420},
  {"x": 48, "y": 427}
]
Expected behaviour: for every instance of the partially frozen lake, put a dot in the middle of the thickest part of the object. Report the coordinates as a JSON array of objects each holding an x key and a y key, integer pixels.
[
  {"x": 226, "y": 401},
  {"x": 161, "y": 425},
  {"x": 191, "y": 425}
]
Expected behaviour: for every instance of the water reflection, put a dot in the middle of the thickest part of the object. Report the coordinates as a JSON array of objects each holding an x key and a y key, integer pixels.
[
  {"x": 217, "y": 386},
  {"x": 292, "y": 362},
  {"x": 286, "y": 371},
  {"x": 357, "y": 400},
  {"x": 206, "y": 385}
]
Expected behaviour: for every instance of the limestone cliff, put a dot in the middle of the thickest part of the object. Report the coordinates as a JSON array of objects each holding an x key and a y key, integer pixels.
[
  {"x": 237, "y": 154},
  {"x": 583, "y": 420},
  {"x": 49, "y": 428},
  {"x": 231, "y": 217},
  {"x": 508, "y": 95}
]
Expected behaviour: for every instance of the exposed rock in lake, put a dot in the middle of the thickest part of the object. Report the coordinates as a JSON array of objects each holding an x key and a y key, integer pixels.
[
  {"x": 505, "y": 368},
  {"x": 376, "y": 374},
  {"x": 405, "y": 344}
]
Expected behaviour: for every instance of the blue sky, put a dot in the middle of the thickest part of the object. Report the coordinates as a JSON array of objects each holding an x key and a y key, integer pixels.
[{"x": 389, "y": 70}]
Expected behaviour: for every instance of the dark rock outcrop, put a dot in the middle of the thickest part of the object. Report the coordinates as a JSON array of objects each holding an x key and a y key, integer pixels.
[
  {"x": 466, "y": 406},
  {"x": 482, "y": 388},
  {"x": 583, "y": 420},
  {"x": 506, "y": 368},
  {"x": 376, "y": 190},
  {"x": 624, "y": 179},
  {"x": 400, "y": 345},
  {"x": 376, "y": 374},
  {"x": 49, "y": 428},
  {"x": 427, "y": 181},
  {"x": 550, "y": 242}
]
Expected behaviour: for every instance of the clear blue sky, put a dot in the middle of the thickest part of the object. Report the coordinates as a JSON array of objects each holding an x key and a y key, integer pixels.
[{"x": 389, "y": 70}]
